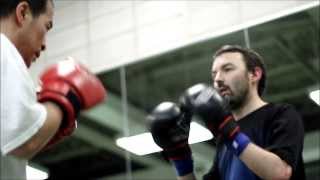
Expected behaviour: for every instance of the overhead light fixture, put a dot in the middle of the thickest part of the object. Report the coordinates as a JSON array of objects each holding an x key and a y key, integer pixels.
[
  {"x": 143, "y": 144},
  {"x": 36, "y": 174},
  {"x": 315, "y": 96}
]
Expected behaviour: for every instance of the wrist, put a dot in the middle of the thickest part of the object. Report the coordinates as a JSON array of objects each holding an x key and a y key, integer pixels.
[
  {"x": 75, "y": 102},
  {"x": 54, "y": 111},
  {"x": 181, "y": 151},
  {"x": 181, "y": 158},
  {"x": 183, "y": 166},
  {"x": 238, "y": 143}
]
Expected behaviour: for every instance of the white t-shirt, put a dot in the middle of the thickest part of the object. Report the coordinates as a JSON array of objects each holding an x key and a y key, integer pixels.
[{"x": 21, "y": 115}]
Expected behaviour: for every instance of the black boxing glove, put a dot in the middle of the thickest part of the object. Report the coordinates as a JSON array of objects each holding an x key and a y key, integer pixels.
[
  {"x": 170, "y": 128},
  {"x": 213, "y": 109}
]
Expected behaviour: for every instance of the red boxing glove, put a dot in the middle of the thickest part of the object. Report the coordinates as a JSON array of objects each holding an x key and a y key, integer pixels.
[{"x": 71, "y": 86}]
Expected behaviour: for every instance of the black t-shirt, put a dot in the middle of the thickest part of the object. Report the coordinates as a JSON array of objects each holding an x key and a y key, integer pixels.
[{"x": 275, "y": 127}]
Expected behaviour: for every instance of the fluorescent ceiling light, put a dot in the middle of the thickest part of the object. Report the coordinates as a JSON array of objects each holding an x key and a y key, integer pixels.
[
  {"x": 35, "y": 174},
  {"x": 315, "y": 96},
  {"x": 143, "y": 144}
]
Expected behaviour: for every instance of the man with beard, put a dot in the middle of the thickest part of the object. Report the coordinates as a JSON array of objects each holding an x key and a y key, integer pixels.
[{"x": 255, "y": 139}]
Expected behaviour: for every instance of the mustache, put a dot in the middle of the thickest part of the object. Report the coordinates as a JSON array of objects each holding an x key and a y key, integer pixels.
[{"x": 223, "y": 87}]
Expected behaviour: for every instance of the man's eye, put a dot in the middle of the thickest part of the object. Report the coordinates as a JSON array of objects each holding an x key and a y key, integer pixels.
[{"x": 228, "y": 69}]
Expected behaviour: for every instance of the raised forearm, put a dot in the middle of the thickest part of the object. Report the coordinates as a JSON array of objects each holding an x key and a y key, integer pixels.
[
  {"x": 40, "y": 139},
  {"x": 265, "y": 164}
]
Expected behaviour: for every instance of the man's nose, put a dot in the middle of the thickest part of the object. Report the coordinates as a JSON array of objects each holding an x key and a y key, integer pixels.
[{"x": 218, "y": 79}]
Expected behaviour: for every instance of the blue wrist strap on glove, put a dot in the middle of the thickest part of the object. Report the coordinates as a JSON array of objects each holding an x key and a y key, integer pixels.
[
  {"x": 239, "y": 143},
  {"x": 183, "y": 166}
]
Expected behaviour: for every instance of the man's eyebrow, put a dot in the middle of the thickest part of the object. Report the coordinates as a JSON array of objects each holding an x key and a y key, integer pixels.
[
  {"x": 227, "y": 64},
  {"x": 223, "y": 66}
]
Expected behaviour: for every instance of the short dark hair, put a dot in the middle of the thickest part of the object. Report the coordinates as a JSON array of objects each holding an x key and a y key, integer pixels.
[
  {"x": 251, "y": 58},
  {"x": 37, "y": 6}
]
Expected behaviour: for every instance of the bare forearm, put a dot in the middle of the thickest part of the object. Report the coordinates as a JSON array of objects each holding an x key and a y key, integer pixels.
[
  {"x": 40, "y": 139},
  {"x": 265, "y": 164}
]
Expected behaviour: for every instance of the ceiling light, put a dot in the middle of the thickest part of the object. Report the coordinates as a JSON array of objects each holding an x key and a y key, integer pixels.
[
  {"x": 143, "y": 144},
  {"x": 315, "y": 96},
  {"x": 35, "y": 174}
]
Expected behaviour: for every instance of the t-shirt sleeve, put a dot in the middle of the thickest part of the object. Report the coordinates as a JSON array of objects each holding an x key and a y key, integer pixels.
[
  {"x": 21, "y": 115},
  {"x": 286, "y": 135}
]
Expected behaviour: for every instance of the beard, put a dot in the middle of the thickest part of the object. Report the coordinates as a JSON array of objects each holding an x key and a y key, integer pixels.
[{"x": 238, "y": 95}]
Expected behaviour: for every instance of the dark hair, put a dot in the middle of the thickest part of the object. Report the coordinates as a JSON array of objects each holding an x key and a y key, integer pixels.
[
  {"x": 37, "y": 6},
  {"x": 251, "y": 58}
]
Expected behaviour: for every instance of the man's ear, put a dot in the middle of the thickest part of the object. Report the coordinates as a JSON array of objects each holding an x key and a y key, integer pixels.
[
  {"x": 256, "y": 74},
  {"x": 22, "y": 12}
]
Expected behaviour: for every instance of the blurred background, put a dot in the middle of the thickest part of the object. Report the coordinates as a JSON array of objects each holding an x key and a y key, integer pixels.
[{"x": 146, "y": 52}]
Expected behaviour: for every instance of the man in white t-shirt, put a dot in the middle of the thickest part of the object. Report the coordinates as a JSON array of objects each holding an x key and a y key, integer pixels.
[{"x": 31, "y": 122}]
